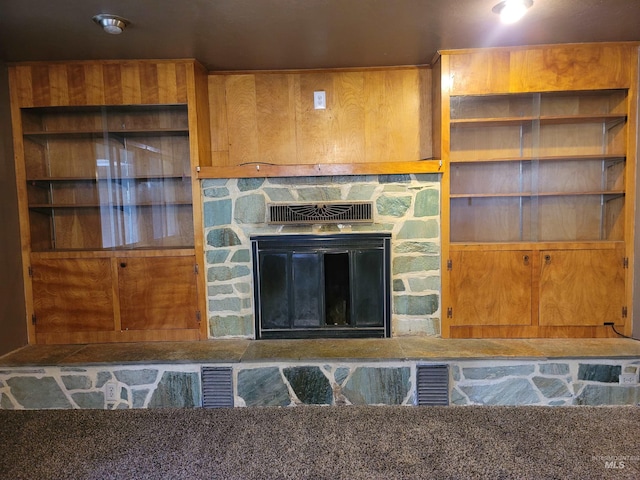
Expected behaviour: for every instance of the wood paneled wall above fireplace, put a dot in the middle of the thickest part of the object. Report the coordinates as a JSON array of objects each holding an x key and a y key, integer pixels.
[{"x": 372, "y": 116}]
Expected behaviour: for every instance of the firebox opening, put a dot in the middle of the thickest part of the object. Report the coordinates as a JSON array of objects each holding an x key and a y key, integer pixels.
[
  {"x": 336, "y": 289},
  {"x": 314, "y": 286}
]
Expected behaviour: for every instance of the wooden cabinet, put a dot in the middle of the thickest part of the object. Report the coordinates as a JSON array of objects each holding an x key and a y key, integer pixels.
[
  {"x": 530, "y": 293},
  {"x": 72, "y": 295},
  {"x": 110, "y": 216},
  {"x": 148, "y": 302},
  {"x": 490, "y": 288},
  {"x": 538, "y": 167},
  {"x": 108, "y": 177},
  {"x": 539, "y": 194},
  {"x": 84, "y": 300}
]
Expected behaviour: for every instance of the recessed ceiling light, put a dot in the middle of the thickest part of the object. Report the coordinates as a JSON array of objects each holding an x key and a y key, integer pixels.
[
  {"x": 511, "y": 11},
  {"x": 111, "y": 23}
]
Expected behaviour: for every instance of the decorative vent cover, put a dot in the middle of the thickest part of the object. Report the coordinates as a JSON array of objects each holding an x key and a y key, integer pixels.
[
  {"x": 217, "y": 387},
  {"x": 320, "y": 212},
  {"x": 432, "y": 385}
]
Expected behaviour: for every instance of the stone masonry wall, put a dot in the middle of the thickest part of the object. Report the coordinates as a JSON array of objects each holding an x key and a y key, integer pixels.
[
  {"x": 548, "y": 383},
  {"x": 84, "y": 387},
  {"x": 472, "y": 382},
  {"x": 408, "y": 206}
]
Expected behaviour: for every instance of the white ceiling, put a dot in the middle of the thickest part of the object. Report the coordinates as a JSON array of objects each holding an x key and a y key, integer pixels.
[{"x": 298, "y": 34}]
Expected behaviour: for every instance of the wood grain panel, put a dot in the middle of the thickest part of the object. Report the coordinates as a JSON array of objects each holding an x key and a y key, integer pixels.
[
  {"x": 58, "y": 84},
  {"x": 569, "y": 218},
  {"x": 581, "y": 288},
  {"x": 112, "y": 84},
  {"x": 336, "y": 134},
  {"x": 372, "y": 116},
  {"x": 218, "y": 119},
  {"x": 158, "y": 293},
  {"x": 102, "y": 83},
  {"x": 41, "y": 87},
  {"x": 425, "y": 115},
  {"x": 276, "y": 121},
  {"x": 242, "y": 118},
  {"x": 76, "y": 84},
  {"x": 315, "y": 143},
  {"x": 130, "y": 77},
  {"x": 347, "y": 125},
  {"x": 148, "y": 84},
  {"x": 392, "y": 113},
  {"x": 531, "y": 332},
  {"x": 474, "y": 143},
  {"x": 63, "y": 338},
  {"x": 93, "y": 85},
  {"x": 498, "y": 219},
  {"x": 491, "y": 288},
  {"x": 167, "y": 83},
  {"x": 72, "y": 295},
  {"x": 480, "y": 72},
  {"x": 182, "y": 81},
  {"x": 571, "y": 67}
]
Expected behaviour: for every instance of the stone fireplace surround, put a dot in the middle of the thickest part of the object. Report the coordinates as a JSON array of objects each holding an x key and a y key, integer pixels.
[{"x": 407, "y": 206}]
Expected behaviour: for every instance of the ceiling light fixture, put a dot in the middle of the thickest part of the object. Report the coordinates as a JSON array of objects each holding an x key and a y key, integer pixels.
[
  {"x": 511, "y": 11},
  {"x": 111, "y": 23}
]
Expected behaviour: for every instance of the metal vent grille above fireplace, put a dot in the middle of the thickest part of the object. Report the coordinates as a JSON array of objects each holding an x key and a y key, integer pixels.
[{"x": 320, "y": 212}]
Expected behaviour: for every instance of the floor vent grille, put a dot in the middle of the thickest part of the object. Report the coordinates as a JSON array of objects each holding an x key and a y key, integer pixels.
[
  {"x": 217, "y": 387},
  {"x": 432, "y": 385},
  {"x": 320, "y": 212}
]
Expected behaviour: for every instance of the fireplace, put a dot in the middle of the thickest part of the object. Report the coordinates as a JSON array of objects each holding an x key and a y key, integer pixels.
[{"x": 315, "y": 286}]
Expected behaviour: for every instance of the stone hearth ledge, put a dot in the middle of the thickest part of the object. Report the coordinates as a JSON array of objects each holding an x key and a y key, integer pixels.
[{"x": 370, "y": 350}]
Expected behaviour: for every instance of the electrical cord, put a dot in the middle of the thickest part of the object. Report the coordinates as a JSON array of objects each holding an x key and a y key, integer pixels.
[{"x": 613, "y": 327}]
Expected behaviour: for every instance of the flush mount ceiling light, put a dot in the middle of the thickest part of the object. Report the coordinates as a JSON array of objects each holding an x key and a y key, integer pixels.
[
  {"x": 511, "y": 11},
  {"x": 111, "y": 23}
]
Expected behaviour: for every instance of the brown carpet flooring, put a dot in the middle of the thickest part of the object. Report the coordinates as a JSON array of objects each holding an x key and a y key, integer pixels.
[{"x": 323, "y": 443}]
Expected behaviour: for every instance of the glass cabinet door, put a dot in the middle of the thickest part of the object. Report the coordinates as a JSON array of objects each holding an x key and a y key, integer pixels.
[
  {"x": 108, "y": 177},
  {"x": 538, "y": 167}
]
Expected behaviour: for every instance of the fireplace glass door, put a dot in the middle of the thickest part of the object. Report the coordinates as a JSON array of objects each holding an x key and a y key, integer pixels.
[{"x": 322, "y": 285}]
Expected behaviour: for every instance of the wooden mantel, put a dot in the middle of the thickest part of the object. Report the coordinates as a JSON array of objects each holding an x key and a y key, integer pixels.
[{"x": 256, "y": 170}]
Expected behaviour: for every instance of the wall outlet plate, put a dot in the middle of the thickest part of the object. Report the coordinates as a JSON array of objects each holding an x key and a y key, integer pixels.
[
  {"x": 628, "y": 379},
  {"x": 111, "y": 391},
  {"x": 319, "y": 100}
]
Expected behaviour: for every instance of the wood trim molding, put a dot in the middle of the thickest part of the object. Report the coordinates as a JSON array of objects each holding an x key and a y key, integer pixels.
[{"x": 259, "y": 170}]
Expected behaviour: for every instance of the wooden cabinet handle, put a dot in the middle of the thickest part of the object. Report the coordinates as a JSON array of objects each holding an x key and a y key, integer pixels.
[
  {"x": 525, "y": 259},
  {"x": 547, "y": 259},
  {"x": 123, "y": 264}
]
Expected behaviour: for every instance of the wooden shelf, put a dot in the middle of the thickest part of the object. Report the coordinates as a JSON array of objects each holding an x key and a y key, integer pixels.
[
  {"x": 49, "y": 206},
  {"x": 611, "y": 119},
  {"x": 555, "y": 245},
  {"x": 116, "y": 252},
  {"x": 38, "y": 180},
  {"x": 258, "y": 170},
  {"x": 615, "y": 193},
  {"x": 102, "y": 133},
  {"x": 558, "y": 158}
]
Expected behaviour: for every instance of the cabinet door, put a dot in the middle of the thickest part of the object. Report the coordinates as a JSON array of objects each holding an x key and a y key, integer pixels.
[
  {"x": 72, "y": 295},
  {"x": 581, "y": 287},
  {"x": 491, "y": 287},
  {"x": 157, "y": 293}
]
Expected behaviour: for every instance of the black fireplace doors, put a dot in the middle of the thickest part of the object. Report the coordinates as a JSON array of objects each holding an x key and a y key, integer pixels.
[{"x": 309, "y": 286}]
